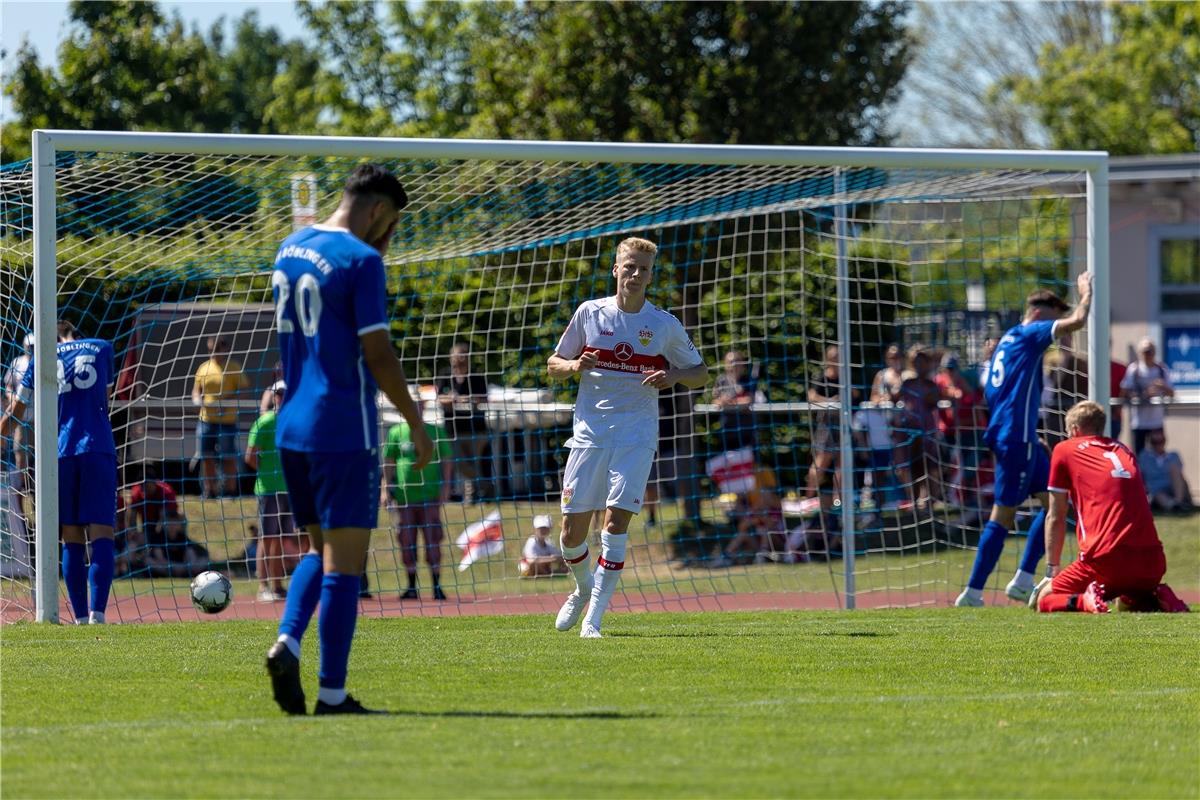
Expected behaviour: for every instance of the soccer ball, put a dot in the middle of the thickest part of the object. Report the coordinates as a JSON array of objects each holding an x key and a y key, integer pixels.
[{"x": 211, "y": 592}]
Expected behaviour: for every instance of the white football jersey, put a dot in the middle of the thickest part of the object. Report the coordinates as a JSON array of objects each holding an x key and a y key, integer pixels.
[{"x": 613, "y": 408}]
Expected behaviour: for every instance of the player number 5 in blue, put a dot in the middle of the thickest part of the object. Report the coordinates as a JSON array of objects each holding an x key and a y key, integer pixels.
[
  {"x": 998, "y": 369},
  {"x": 308, "y": 302},
  {"x": 84, "y": 377}
]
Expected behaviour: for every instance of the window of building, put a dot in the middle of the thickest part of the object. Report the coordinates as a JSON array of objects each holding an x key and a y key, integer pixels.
[{"x": 1179, "y": 260}]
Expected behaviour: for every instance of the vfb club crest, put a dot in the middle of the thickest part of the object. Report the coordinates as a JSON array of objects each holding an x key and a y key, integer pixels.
[{"x": 645, "y": 336}]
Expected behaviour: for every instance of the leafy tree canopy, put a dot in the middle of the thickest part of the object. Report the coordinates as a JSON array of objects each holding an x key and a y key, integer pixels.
[
  {"x": 721, "y": 72},
  {"x": 1066, "y": 74},
  {"x": 1138, "y": 93}
]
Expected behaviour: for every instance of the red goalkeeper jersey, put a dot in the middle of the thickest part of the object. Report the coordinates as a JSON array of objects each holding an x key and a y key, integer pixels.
[{"x": 1102, "y": 478}]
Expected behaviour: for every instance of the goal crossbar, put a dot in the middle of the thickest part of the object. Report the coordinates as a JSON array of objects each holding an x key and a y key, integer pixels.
[{"x": 595, "y": 152}]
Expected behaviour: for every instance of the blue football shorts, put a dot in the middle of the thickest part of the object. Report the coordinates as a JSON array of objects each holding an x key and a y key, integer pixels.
[
  {"x": 87, "y": 489},
  {"x": 1022, "y": 470},
  {"x": 217, "y": 440},
  {"x": 332, "y": 490}
]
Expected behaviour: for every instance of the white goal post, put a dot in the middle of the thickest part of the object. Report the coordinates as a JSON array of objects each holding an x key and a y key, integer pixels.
[{"x": 50, "y": 146}]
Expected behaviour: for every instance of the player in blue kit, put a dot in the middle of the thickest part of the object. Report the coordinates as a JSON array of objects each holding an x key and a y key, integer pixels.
[
  {"x": 331, "y": 318},
  {"x": 87, "y": 467},
  {"x": 1013, "y": 387}
]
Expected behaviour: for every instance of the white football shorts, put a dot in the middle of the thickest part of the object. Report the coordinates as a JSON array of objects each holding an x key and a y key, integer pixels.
[{"x": 596, "y": 478}]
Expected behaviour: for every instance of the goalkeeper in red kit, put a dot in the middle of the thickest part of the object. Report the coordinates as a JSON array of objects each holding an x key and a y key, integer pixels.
[{"x": 1120, "y": 555}]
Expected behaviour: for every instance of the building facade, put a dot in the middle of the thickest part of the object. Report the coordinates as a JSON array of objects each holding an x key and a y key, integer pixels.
[{"x": 1154, "y": 246}]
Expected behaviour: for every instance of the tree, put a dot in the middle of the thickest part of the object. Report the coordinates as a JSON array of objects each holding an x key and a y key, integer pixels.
[
  {"x": 411, "y": 71},
  {"x": 788, "y": 73},
  {"x": 968, "y": 56},
  {"x": 1139, "y": 93},
  {"x": 126, "y": 66}
]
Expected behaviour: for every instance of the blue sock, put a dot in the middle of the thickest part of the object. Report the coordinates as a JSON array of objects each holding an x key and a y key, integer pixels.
[
  {"x": 74, "y": 567},
  {"x": 991, "y": 545},
  {"x": 1035, "y": 546},
  {"x": 339, "y": 614},
  {"x": 303, "y": 593},
  {"x": 100, "y": 576}
]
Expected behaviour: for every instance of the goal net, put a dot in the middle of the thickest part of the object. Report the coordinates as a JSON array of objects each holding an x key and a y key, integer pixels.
[{"x": 772, "y": 488}]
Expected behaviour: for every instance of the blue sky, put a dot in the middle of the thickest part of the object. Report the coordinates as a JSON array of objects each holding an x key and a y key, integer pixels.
[{"x": 44, "y": 22}]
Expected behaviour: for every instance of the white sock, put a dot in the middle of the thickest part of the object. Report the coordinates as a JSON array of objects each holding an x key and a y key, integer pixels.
[
  {"x": 81, "y": 620},
  {"x": 292, "y": 644},
  {"x": 331, "y": 697},
  {"x": 974, "y": 594},
  {"x": 608, "y": 575},
  {"x": 581, "y": 566},
  {"x": 96, "y": 618},
  {"x": 1024, "y": 579}
]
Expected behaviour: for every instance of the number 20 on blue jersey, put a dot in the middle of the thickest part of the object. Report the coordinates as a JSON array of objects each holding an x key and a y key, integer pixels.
[{"x": 308, "y": 302}]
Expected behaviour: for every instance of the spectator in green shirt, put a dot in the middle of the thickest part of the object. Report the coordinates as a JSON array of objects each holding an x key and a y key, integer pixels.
[
  {"x": 414, "y": 498},
  {"x": 274, "y": 511}
]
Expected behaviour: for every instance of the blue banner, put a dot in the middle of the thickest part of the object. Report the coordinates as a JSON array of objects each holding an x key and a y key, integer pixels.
[{"x": 1182, "y": 356}]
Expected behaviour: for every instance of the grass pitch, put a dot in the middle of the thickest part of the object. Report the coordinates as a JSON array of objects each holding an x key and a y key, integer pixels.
[{"x": 934, "y": 703}]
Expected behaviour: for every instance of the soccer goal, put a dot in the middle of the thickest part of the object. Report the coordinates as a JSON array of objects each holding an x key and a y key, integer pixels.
[{"x": 797, "y": 271}]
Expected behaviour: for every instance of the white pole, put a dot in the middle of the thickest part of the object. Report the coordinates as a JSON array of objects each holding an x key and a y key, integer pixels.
[
  {"x": 844, "y": 394},
  {"x": 45, "y": 381},
  {"x": 597, "y": 152},
  {"x": 1097, "y": 262}
]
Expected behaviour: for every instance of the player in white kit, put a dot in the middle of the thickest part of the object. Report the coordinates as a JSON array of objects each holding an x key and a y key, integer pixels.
[{"x": 624, "y": 350}]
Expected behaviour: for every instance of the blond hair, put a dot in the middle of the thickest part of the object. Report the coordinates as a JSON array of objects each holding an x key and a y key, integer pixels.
[
  {"x": 636, "y": 245},
  {"x": 1087, "y": 417}
]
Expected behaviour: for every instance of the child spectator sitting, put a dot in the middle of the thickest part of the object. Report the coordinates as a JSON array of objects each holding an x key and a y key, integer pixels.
[
  {"x": 540, "y": 557},
  {"x": 177, "y": 556},
  {"x": 156, "y": 513},
  {"x": 1162, "y": 472},
  {"x": 758, "y": 517}
]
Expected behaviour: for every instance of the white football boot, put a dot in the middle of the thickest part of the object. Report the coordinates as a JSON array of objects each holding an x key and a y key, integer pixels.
[
  {"x": 965, "y": 601},
  {"x": 1019, "y": 592},
  {"x": 572, "y": 609}
]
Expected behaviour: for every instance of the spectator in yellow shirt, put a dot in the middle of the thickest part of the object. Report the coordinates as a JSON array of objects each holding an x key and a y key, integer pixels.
[{"x": 218, "y": 383}]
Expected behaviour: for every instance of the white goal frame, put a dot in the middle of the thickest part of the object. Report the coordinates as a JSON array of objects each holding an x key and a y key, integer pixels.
[{"x": 47, "y": 144}]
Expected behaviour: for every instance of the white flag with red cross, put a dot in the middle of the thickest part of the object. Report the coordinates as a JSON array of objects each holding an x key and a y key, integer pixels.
[{"x": 480, "y": 540}]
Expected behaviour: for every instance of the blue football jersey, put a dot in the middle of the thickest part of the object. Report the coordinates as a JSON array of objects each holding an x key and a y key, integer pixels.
[
  {"x": 85, "y": 370},
  {"x": 1013, "y": 384},
  {"x": 329, "y": 289}
]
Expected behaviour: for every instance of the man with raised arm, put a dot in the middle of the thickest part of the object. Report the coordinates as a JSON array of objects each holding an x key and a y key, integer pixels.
[
  {"x": 624, "y": 350},
  {"x": 1013, "y": 387},
  {"x": 331, "y": 318},
  {"x": 1120, "y": 554},
  {"x": 87, "y": 467}
]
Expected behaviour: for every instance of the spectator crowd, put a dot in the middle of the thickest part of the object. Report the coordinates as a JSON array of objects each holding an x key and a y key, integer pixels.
[{"x": 917, "y": 439}]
